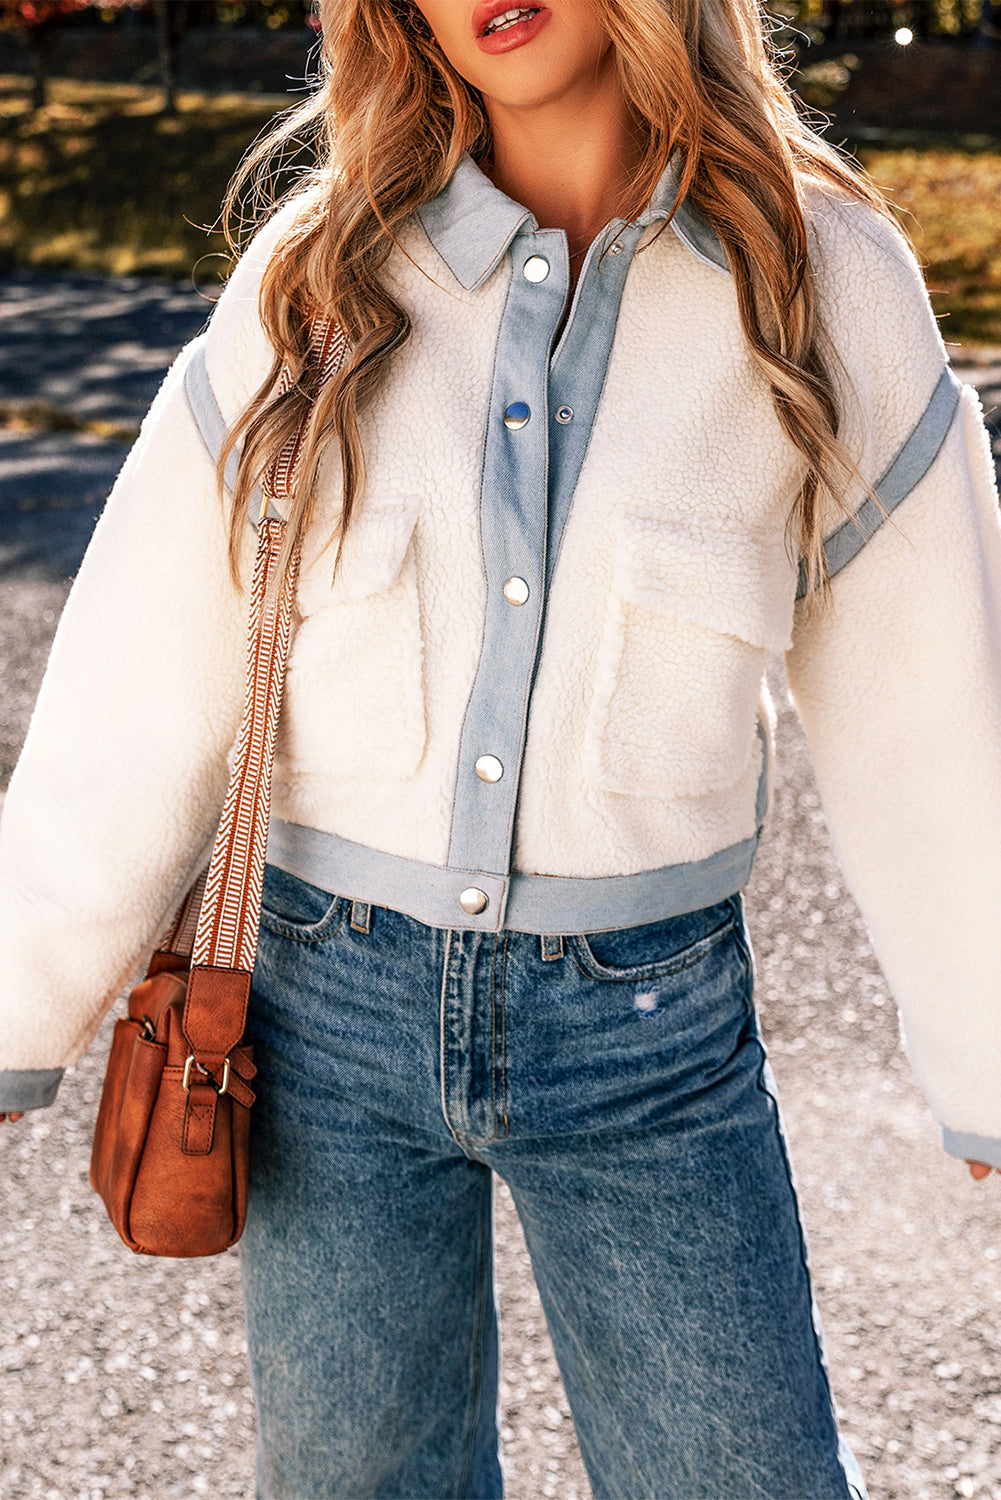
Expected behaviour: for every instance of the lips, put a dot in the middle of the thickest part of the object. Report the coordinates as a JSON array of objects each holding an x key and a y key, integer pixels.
[
  {"x": 491, "y": 9},
  {"x": 531, "y": 19}
]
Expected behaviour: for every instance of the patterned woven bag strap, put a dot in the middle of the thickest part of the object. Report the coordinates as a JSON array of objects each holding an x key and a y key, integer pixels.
[
  {"x": 225, "y": 942},
  {"x": 329, "y": 347},
  {"x": 179, "y": 937}
]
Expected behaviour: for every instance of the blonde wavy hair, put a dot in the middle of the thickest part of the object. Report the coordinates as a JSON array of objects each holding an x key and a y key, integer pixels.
[{"x": 390, "y": 120}]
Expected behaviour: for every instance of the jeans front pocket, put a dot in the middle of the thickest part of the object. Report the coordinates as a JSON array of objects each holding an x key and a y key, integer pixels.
[
  {"x": 655, "y": 950},
  {"x": 292, "y": 908},
  {"x": 693, "y": 612}
]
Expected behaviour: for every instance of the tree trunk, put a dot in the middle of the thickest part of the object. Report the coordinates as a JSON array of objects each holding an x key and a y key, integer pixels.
[
  {"x": 988, "y": 32},
  {"x": 40, "y": 45},
  {"x": 830, "y": 19},
  {"x": 167, "y": 42}
]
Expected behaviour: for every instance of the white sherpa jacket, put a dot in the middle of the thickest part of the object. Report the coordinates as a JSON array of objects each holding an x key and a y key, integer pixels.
[{"x": 543, "y": 655}]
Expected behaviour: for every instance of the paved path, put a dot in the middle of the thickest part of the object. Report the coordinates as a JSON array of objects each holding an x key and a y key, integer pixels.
[
  {"x": 93, "y": 345},
  {"x": 121, "y": 1377}
]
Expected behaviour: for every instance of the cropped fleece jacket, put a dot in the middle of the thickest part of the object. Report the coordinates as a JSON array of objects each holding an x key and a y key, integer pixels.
[{"x": 539, "y": 672}]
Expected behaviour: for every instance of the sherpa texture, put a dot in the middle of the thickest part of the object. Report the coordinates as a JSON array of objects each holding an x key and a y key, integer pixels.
[
  {"x": 672, "y": 585},
  {"x": 903, "y": 715}
]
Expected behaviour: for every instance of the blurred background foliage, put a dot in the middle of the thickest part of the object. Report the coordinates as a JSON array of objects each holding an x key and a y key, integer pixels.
[
  {"x": 827, "y": 19},
  {"x": 123, "y": 121}
]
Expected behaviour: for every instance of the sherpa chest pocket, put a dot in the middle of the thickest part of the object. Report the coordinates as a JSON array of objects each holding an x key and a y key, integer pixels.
[
  {"x": 355, "y": 691},
  {"x": 694, "y": 608}
]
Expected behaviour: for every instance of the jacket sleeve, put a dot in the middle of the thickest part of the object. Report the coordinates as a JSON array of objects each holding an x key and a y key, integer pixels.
[
  {"x": 898, "y": 687},
  {"x": 115, "y": 799}
]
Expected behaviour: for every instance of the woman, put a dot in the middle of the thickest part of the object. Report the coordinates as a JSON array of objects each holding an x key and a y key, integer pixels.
[{"x": 629, "y": 344}]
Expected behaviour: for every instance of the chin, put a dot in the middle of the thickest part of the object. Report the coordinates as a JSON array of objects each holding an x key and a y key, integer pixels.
[{"x": 531, "y": 83}]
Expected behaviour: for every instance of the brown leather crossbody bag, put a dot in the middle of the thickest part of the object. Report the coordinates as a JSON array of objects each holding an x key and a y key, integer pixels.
[{"x": 171, "y": 1145}]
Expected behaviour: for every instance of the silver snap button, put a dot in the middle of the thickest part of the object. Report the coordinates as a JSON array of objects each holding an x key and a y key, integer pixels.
[
  {"x": 565, "y": 415},
  {"x": 488, "y": 768},
  {"x": 616, "y": 248},
  {"x": 516, "y": 591},
  {"x": 535, "y": 269},
  {"x": 517, "y": 415},
  {"x": 473, "y": 900}
]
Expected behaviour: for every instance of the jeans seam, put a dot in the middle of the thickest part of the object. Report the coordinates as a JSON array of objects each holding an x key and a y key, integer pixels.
[
  {"x": 851, "y": 1492},
  {"x": 476, "y": 1372},
  {"x": 503, "y": 1020},
  {"x": 497, "y": 1002},
  {"x": 493, "y": 1029},
  {"x": 747, "y": 953},
  {"x": 457, "y": 1136}
]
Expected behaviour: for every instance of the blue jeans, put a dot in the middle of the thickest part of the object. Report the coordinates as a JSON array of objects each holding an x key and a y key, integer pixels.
[{"x": 618, "y": 1084}]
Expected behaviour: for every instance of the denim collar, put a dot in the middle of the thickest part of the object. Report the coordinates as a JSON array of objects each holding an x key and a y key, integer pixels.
[{"x": 471, "y": 223}]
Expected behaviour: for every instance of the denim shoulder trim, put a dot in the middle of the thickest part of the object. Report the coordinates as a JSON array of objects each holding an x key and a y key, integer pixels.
[
  {"x": 911, "y": 464},
  {"x": 209, "y": 419},
  {"x": 28, "y": 1088},
  {"x": 972, "y": 1147}
]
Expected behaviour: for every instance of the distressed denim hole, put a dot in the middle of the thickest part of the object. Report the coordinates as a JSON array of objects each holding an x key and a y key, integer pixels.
[{"x": 645, "y": 1002}]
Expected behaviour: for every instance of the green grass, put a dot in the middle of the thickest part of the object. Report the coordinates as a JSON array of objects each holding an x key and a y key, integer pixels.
[{"x": 101, "y": 181}]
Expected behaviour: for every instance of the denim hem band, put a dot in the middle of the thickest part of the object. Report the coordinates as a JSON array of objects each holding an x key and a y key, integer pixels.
[
  {"x": 28, "y": 1088},
  {"x": 983, "y": 1148},
  {"x": 522, "y": 903}
]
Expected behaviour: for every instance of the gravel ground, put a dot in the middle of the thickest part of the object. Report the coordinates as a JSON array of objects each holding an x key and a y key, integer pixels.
[{"x": 125, "y": 1377}]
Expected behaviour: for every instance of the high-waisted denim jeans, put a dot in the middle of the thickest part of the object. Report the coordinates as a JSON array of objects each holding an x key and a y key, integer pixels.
[{"x": 618, "y": 1084}]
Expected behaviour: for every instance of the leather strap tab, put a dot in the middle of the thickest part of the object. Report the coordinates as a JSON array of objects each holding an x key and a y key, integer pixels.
[
  {"x": 199, "y": 1119},
  {"x": 240, "y": 1090},
  {"x": 215, "y": 1013}
]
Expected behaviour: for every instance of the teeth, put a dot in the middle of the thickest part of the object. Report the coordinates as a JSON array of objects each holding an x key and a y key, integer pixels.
[{"x": 510, "y": 18}]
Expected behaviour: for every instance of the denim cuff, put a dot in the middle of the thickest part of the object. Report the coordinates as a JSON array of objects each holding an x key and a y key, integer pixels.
[
  {"x": 983, "y": 1148},
  {"x": 28, "y": 1088}
]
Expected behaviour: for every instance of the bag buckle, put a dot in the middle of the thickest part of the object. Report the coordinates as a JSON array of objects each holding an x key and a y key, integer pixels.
[{"x": 220, "y": 1088}]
